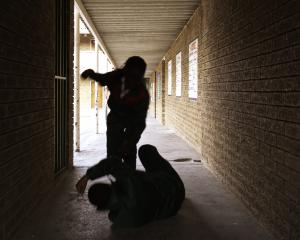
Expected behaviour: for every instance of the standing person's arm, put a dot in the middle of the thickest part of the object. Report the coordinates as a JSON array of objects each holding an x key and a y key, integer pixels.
[{"x": 104, "y": 79}]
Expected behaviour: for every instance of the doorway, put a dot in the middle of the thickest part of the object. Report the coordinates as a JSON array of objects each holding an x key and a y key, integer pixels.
[{"x": 90, "y": 108}]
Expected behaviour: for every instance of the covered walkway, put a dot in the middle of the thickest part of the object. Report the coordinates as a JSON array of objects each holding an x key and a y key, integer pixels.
[
  {"x": 222, "y": 74},
  {"x": 210, "y": 212}
]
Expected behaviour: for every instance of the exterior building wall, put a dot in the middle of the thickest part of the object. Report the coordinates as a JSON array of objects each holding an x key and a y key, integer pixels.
[
  {"x": 27, "y": 58},
  {"x": 245, "y": 121}
]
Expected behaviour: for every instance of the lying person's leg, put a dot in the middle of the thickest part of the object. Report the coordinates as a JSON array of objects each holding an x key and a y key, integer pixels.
[
  {"x": 153, "y": 161},
  {"x": 167, "y": 180}
]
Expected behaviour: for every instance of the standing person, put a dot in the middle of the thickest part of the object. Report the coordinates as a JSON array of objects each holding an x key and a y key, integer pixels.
[
  {"x": 128, "y": 103},
  {"x": 136, "y": 197}
]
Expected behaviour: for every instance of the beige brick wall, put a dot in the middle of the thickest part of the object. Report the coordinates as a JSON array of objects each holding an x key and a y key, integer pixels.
[
  {"x": 246, "y": 119},
  {"x": 26, "y": 108}
]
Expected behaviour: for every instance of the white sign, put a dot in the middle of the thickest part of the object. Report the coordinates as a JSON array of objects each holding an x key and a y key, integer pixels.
[
  {"x": 193, "y": 69},
  {"x": 170, "y": 77},
  {"x": 178, "y": 74}
]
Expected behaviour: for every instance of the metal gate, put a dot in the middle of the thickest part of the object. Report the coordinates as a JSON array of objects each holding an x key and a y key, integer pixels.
[{"x": 61, "y": 68}]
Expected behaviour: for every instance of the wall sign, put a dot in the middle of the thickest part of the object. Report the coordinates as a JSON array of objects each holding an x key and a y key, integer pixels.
[
  {"x": 193, "y": 69},
  {"x": 178, "y": 74},
  {"x": 170, "y": 77}
]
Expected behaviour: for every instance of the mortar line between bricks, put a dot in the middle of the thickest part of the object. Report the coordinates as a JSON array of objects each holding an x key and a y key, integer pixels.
[
  {"x": 30, "y": 101},
  {"x": 294, "y": 77},
  {"x": 255, "y": 56},
  {"x": 249, "y": 102},
  {"x": 38, "y": 111},
  {"x": 253, "y": 68},
  {"x": 21, "y": 140},
  {"x": 254, "y": 80},
  {"x": 259, "y": 42},
  {"x": 252, "y": 45},
  {"x": 24, "y": 126},
  {"x": 28, "y": 76},
  {"x": 241, "y": 71},
  {"x": 25, "y": 113},
  {"x": 29, "y": 138},
  {"x": 25, "y": 153},
  {"x": 25, "y": 37},
  {"x": 23, "y": 63},
  {"x": 283, "y": 92},
  {"x": 265, "y": 130},
  {"x": 35, "y": 76},
  {"x": 253, "y": 13},
  {"x": 24, "y": 89},
  {"x": 27, "y": 100},
  {"x": 20, "y": 49}
]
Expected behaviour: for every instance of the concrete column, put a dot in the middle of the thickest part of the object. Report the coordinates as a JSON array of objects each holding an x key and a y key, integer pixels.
[
  {"x": 97, "y": 88},
  {"x": 76, "y": 80}
]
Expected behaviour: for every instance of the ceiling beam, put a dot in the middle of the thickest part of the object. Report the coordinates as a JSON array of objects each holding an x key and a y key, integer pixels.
[{"x": 89, "y": 23}]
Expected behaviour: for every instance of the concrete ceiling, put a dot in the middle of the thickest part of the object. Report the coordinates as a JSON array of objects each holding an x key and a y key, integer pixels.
[{"x": 139, "y": 27}]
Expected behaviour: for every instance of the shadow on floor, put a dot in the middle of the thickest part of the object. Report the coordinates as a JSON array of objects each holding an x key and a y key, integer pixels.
[{"x": 210, "y": 212}]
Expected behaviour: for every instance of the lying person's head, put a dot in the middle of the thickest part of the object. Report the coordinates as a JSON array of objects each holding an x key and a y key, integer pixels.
[
  {"x": 134, "y": 70},
  {"x": 99, "y": 195}
]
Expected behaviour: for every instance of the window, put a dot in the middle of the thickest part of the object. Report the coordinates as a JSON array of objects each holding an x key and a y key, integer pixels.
[
  {"x": 158, "y": 81},
  {"x": 178, "y": 74},
  {"x": 193, "y": 69}
]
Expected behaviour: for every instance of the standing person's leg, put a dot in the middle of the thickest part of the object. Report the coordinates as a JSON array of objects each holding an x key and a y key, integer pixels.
[
  {"x": 130, "y": 158},
  {"x": 114, "y": 135}
]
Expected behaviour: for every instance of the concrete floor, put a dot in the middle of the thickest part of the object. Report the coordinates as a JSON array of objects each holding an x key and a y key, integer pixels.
[{"x": 210, "y": 212}]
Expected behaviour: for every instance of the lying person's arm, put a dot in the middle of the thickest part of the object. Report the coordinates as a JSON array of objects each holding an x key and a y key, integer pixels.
[{"x": 104, "y": 167}]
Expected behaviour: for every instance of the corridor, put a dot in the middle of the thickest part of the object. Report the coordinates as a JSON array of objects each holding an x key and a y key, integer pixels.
[
  {"x": 223, "y": 78},
  {"x": 210, "y": 211}
]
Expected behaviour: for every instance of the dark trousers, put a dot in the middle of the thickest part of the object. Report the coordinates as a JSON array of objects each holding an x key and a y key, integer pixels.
[
  {"x": 116, "y": 135},
  {"x": 154, "y": 162}
]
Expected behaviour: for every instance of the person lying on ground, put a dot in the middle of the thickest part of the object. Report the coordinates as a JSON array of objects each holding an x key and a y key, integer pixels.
[{"x": 135, "y": 198}]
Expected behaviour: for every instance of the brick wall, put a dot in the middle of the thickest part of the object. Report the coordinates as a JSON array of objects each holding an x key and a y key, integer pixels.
[
  {"x": 246, "y": 119},
  {"x": 26, "y": 108}
]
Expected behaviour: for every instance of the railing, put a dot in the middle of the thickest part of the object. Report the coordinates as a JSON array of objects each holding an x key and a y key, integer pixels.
[
  {"x": 60, "y": 88},
  {"x": 60, "y": 123}
]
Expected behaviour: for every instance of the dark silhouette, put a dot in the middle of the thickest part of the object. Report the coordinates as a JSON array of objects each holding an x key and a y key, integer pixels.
[
  {"x": 135, "y": 197},
  {"x": 128, "y": 102}
]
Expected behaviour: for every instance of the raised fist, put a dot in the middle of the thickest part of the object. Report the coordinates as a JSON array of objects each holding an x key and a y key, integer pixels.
[{"x": 85, "y": 74}]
